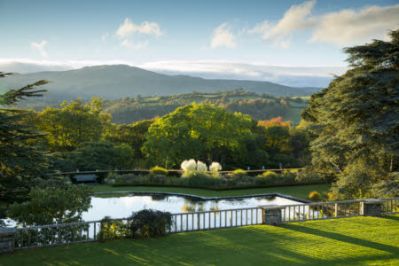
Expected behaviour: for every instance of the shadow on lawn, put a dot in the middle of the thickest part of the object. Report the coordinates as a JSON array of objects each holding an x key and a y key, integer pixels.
[
  {"x": 392, "y": 217},
  {"x": 344, "y": 238},
  {"x": 252, "y": 246},
  {"x": 225, "y": 248},
  {"x": 260, "y": 245}
]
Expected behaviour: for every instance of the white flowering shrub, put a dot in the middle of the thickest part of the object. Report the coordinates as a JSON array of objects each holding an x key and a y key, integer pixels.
[
  {"x": 189, "y": 167},
  {"x": 201, "y": 167},
  {"x": 192, "y": 167},
  {"x": 215, "y": 167}
]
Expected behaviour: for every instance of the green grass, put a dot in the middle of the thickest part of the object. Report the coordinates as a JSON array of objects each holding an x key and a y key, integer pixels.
[
  {"x": 296, "y": 191},
  {"x": 348, "y": 241}
]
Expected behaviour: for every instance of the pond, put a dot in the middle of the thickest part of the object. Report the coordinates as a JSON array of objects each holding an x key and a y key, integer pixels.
[{"x": 121, "y": 207}]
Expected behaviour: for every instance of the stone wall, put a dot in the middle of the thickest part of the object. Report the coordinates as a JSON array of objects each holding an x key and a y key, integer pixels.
[
  {"x": 272, "y": 215},
  {"x": 371, "y": 207}
]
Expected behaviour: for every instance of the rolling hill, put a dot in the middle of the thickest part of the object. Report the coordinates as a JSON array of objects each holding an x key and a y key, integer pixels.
[
  {"x": 118, "y": 81},
  {"x": 258, "y": 106}
]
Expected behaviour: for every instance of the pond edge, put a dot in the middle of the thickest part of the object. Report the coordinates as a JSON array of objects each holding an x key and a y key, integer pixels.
[{"x": 275, "y": 194}]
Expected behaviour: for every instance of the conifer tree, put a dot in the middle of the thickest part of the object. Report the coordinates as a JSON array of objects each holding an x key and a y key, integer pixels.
[
  {"x": 21, "y": 158},
  {"x": 356, "y": 121}
]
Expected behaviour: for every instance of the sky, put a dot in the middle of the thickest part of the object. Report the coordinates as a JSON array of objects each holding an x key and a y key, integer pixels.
[{"x": 191, "y": 35}]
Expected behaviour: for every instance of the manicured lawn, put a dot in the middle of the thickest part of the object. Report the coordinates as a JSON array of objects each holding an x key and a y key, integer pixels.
[
  {"x": 350, "y": 241},
  {"x": 296, "y": 191}
]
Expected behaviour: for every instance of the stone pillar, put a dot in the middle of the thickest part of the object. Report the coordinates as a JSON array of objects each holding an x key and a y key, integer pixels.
[
  {"x": 7, "y": 239},
  {"x": 272, "y": 215},
  {"x": 371, "y": 207},
  {"x": 336, "y": 210}
]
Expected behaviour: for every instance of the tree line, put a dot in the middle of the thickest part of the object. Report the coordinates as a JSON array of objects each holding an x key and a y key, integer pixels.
[
  {"x": 258, "y": 106},
  {"x": 80, "y": 135}
]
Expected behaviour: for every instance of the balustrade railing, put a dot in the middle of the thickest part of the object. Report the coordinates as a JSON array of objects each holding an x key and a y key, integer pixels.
[{"x": 184, "y": 222}]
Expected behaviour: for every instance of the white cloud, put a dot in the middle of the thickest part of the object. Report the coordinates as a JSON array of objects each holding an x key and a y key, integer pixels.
[
  {"x": 245, "y": 70},
  {"x": 349, "y": 27},
  {"x": 223, "y": 37},
  {"x": 345, "y": 27},
  {"x": 295, "y": 18},
  {"x": 40, "y": 47},
  {"x": 299, "y": 76},
  {"x": 127, "y": 28}
]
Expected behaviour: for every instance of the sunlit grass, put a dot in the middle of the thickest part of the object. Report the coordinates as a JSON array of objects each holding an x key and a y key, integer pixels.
[{"x": 349, "y": 241}]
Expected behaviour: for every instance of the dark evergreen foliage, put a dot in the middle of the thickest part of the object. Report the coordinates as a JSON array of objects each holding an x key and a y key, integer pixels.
[
  {"x": 356, "y": 120},
  {"x": 22, "y": 158}
]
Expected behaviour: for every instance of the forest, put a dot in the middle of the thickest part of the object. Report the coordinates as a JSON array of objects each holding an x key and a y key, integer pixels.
[{"x": 258, "y": 106}]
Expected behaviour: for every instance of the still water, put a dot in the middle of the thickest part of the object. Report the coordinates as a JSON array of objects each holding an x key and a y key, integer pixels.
[{"x": 121, "y": 207}]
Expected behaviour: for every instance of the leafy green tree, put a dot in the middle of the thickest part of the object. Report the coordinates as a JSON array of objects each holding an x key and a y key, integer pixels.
[
  {"x": 388, "y": 186},
  {"x": 133, "y": 134},
  {"x": 58, "y": 203},
  {"x": 281, "y": 142},
  {"x": 299, "y": 144},
  {"x": 73, "y": 123},
  {"x": 22, "y": 158},
  {"x": 252, "y": 153},
  {"x": 201, "y": 131},
  {"x": 356, "y": 120},
  {"x": 102, "y": 156}
]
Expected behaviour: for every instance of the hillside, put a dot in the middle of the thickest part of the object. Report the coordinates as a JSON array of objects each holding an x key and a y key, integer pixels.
[
  {"x": 117, "y": 81},
  {"x": 256, "y": 105}
]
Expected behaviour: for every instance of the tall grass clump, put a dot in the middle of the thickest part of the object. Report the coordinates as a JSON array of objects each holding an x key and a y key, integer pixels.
[{"x": 238, "y": 173}]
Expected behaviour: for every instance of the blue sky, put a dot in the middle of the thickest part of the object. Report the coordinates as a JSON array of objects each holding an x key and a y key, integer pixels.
[{"x": 167, "y": 34}]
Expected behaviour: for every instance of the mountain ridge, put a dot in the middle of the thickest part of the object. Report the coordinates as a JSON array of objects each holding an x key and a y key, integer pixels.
[{"x": 118, "y": 81}]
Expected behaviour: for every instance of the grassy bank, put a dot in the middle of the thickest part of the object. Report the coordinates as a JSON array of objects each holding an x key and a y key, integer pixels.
[
  {"x": 349, "y": 241},
  {"x": 296, "y": 191}
]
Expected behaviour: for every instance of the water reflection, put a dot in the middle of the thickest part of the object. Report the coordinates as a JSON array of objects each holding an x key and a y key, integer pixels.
[
  {"x": 158, "y": 197},
  {"x": 187, "y": 207},
  {"x": 120, "y": 207},
  {"x": 191, "y": 205}
]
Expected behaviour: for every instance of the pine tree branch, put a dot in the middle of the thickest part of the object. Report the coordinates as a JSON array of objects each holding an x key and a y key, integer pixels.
[{"x": 12, "y": 96}]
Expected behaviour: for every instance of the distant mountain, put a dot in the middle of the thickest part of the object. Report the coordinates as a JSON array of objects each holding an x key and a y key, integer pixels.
[
  {"x": 23, "y": 68},
  {"x": 117, "y": 81}
]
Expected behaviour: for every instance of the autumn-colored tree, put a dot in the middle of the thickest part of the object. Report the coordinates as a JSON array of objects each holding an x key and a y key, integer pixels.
[
  {"x": 274, "y": 122},
  {"x": 277, "y": 136}
]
